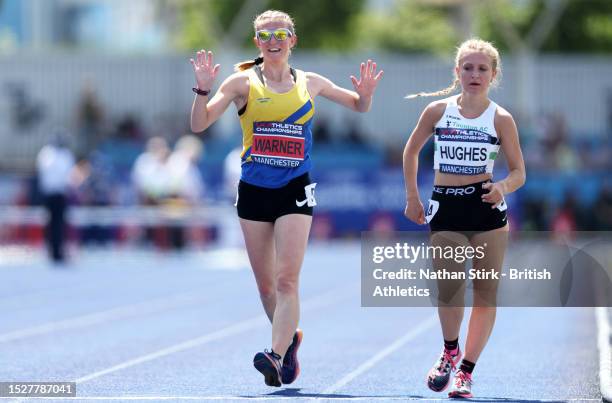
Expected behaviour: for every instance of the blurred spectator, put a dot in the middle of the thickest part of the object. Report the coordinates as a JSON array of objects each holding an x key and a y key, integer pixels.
[
  {"x": 92, "y": 186},
  {"x": 382, "y": 224},
  {"x": 25, "y": 112},
  {"x": 566, "y": 158},
  {"x": 321, "y": 131},
  {"x": 567, "y": 218},
  {"x": 185, "y": 183},
  {"x": 322, "y": 226},
  {"x": 184, "y": 177},
  {"x": 596, "y": 154},
  {"x": 230, "y": 233},
  {"x": 91, "y": 181},
  {"x": 150, "y": 179},
  {"x": 554, "y": 151},
  {"x": 353, "y": 131},
  {"x": 90, "y": 120},
  {"x": 535, "y": 216},
  {"x": 149, "y": 174},
  {"x": 394, "y": 155},
  {"x": 602, "y": 210},
  {"x": 130, "y": 128},
  {"x": 54, "y": 165},
  {"x": 231, "y": 173},
  {"x": 536, "y": 157}
]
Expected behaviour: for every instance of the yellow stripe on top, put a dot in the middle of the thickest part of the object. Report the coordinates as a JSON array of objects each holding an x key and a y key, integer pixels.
[{"x": 281, "y": 124}]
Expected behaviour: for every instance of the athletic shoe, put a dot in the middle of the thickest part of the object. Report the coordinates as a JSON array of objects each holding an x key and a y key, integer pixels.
[
  {"x": 291, "y": 365},
  {"x": 463, "y": 385},
  {"x": 268, "y": 363},
  {"x": 439, "y": 376}
]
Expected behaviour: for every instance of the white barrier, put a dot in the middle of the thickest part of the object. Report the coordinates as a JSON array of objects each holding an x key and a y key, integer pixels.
[{"x": 80, "y": 216}]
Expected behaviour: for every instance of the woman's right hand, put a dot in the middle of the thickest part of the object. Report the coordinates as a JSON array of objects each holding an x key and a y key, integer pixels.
[
  {"x": 414, "y": 210},
  {"x": 204, "y": 69}
]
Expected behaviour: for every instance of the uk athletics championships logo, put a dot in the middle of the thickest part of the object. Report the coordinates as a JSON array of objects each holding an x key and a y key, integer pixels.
[{"x": 278, "y": 144}]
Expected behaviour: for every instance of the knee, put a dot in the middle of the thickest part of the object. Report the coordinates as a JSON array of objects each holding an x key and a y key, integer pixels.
[
  {"x": 287, "y": 285},
  {"x": 267, "y": 291},
  {"x": 485, "y": 296}
]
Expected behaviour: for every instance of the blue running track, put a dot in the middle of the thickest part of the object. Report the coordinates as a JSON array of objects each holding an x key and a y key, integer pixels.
[{"x": 135, "y": 325}]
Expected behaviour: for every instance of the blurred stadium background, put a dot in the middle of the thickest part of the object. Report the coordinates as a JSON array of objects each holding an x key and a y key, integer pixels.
[{"x": 114, "y": 74}]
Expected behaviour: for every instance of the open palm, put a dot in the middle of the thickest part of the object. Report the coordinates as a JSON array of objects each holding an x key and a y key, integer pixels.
[
  {"x": 204, "y": 69},
  {"x": 368, "y": 79}
]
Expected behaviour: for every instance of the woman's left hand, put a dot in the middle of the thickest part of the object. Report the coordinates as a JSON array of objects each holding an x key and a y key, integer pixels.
[
  {"x": 495, "y": 195},
  {"x": 368, "y": 79}
]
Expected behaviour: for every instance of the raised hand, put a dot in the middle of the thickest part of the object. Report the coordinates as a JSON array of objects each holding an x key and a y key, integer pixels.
[
  {"x": 204, "y": 69},
  {"x": 368, "y": 79}
]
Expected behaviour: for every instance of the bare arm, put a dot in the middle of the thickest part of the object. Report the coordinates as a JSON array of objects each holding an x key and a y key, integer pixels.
[
  {"x": 421, "y": 133},
  {"x": 359, "y": 100},
  {"x": 508, "y": 134},
  {"x": 204, "y": 112}
]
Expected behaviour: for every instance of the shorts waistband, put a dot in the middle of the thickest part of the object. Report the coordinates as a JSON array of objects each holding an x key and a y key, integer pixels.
[
  {"x": 305, "y": 177},
  {"x": 460, "y": 191}
]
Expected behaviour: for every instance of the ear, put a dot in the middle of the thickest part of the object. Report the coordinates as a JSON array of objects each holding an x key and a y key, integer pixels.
[
  {"x": 255, "y": 42},
  {"x": 294, "y": 40}
]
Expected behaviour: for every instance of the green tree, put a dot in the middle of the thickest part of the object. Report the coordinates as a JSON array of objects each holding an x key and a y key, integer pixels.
[
  {"x": 584, "y": 26},
  {"x": 191, "y": 23},
  {"x": 320, "y": 24},
  {"x": 408, "y": 26}
]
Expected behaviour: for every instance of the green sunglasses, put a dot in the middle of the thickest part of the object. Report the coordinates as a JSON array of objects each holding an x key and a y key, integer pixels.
[{"x": 280, "y": 34}]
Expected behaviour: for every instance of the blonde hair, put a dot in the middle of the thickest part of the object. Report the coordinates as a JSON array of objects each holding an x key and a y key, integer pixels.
[
  {"x": 469, "y": 46},
  {"x": 266, "y": 16}
]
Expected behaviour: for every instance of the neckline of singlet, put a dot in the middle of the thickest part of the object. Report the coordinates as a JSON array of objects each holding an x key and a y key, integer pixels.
[
  {"x": 259, "y": 73},
  {"x": 260, "y": 76},
  {"x": 455, "y": 103}
]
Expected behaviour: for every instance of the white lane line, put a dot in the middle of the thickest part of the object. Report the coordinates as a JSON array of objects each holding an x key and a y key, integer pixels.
[
  {"x": 604, "y": 338},
  {"x": 141, "y": 308},
  {"x": 258, "y": 321},
  {"x": 413, "y": 333}
]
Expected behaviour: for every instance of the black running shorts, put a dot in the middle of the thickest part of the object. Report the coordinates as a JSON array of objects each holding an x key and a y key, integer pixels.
[
  {"x": 460, "y": 208},
  {"x": 264, "y": 204}
]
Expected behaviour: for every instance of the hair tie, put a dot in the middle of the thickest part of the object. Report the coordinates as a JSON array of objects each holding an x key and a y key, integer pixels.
[{"x": 258, "y": 60}]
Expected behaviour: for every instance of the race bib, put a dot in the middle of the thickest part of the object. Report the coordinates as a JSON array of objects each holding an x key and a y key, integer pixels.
[
  {"x": 278, "y": 144},
  {"x": 464, "y": 152},
  {"x": 432, "y": 209}
]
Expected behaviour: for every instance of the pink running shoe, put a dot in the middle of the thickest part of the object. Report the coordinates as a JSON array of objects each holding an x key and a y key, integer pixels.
[
  {"x": 268, "y": 363},
  {"x": 291, "y": 365},
  {"x": 439, "y": 376},
  {"x": 462, "y": 386}
]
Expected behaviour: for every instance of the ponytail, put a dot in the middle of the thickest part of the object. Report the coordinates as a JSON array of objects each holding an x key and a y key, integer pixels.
[
  {"x": 248, "y": 64},
  {"x": 446, "y": 91}
]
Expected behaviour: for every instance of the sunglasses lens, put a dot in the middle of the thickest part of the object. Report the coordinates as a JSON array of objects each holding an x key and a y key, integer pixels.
[
  {"x": 264, "y": 35},
  {"x": 281, "y": 34}
]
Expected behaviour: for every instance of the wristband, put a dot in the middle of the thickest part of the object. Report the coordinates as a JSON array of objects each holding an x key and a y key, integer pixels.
[{"x": 200, "y": 92}]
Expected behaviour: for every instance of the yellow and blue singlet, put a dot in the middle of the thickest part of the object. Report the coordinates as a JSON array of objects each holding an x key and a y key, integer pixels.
[{"x": 276, "y": 132}]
